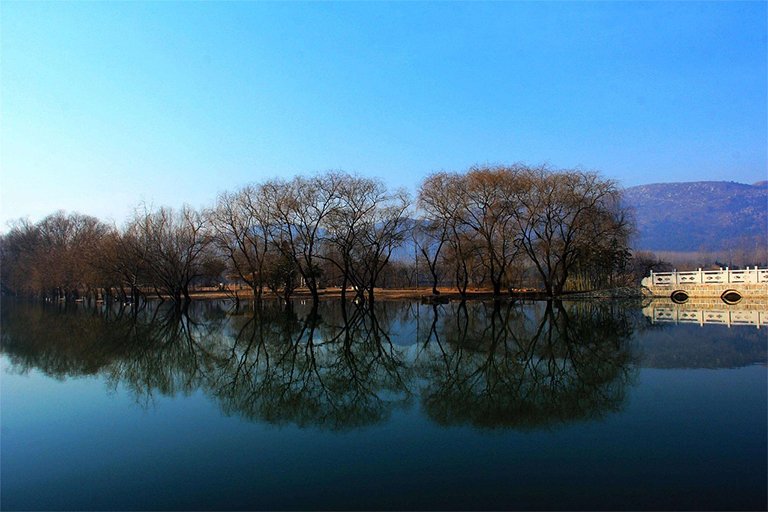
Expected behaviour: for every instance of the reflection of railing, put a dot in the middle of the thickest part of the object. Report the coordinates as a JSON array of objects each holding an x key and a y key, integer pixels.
[
  {"x": 722, "y": 276},
  {"x": 727, "y": 317}
]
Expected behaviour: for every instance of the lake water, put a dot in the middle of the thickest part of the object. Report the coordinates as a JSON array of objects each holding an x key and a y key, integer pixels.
[{"x": 515, "y": 406}]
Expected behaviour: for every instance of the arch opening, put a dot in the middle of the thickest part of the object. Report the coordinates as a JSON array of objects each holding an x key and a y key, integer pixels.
[
  {"x": 731, "y": 297},
  {"x": 679, "y": 297}
]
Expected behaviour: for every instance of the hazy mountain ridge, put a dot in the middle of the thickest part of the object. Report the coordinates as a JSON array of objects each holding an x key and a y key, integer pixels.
[{"x": 703, "y": 215}]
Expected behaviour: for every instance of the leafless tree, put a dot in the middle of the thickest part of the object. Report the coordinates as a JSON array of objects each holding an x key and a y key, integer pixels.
[
  {"x": 174, "y": 245},
  {"x": 54, "y": 258},
  {"x": 299, "y": 208},
  {"x": 439, "y": 200},
  {"x": 558, "y": 222},
  {"x": 240, "y": 227},
  {"x": 383, "y": 230},
  {"x": 487, "y": 207},
  {"x": 429, "y": 237},
  {"x": 358, "y": 200},
  {"x": 20, "y": 270},
  {"x": 562, "y": 220}
]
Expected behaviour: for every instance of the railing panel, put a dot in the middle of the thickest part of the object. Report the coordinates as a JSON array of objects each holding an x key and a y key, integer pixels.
[
  {"x": 716, "y": 317},
  {"x": 665, "y": 278},
  {"x": 690, "y": 316},
  {"x": 664, "y": 315},
  {"x": 714, "y": 277},
  {"x": 688, "y": 277},
  {"x": 745, "y": 317},
  {"x": 738, "y": 276}
]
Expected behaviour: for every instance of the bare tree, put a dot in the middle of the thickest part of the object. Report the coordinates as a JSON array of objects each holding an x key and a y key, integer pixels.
[
  {"x": 240, "y": 228},
  {"x": 605, "y": 261},
  {"x": 358, "y": 199},
  {"x": 488, "y": 207},
  {"x": 174, "y": 245},
  {"x": 300, "y": 207},
  {"x": 430, "y": 235},
  {"x": 21, "y": 273},
  {"x": 557, "y": 222},
  {"x": 384, "y": 229},
  {"x": 439, "y": 199}
]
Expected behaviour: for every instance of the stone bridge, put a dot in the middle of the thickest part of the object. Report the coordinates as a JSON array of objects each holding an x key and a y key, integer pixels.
[{"x": 725, "y": 285}]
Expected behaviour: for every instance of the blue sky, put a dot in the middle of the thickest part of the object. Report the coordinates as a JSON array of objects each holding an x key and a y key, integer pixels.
[{"x": 104, "y": 105}]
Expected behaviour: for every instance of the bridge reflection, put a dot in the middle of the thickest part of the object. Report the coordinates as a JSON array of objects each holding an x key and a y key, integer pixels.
[{"x": 752, "y": 313}]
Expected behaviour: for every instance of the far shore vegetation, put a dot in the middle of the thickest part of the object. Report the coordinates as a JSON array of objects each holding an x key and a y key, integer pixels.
[{"x": 490, "y": 231}]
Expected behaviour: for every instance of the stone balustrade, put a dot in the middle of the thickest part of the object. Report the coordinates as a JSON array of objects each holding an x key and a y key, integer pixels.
[
  {"x": 749, "y": 282},
  {"x": 722, "y": 276}
]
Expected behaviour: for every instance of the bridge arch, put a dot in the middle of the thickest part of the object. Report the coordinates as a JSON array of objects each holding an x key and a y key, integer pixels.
[{"x": 731, "y": 297}]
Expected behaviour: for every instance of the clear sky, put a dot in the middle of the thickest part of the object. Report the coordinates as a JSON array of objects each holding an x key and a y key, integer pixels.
[{"x": 105, "y": 104}]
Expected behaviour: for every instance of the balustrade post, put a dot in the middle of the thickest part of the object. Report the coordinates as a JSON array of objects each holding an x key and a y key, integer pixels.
[{"x": 727, "y": 276}]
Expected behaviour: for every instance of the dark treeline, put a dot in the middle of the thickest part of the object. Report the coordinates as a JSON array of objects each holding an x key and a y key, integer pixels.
[{"x": 497, "y": 228}]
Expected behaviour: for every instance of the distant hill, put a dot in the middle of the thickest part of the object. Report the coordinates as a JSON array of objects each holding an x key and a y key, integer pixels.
[{"x": 703, "y": 215}]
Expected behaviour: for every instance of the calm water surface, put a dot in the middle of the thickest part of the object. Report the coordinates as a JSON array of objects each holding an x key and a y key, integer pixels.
[{"x": 520, "y": 406}]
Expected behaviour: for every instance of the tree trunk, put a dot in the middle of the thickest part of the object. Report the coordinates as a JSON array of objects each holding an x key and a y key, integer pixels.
[
  {"x": 433, "y": 271},
  {"x": 344, "y": 288},
  {"x": 312, "y": 285}
]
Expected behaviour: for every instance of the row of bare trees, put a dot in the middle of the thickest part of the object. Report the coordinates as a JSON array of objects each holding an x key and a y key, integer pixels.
[
  {"x": 483, "y": 226},
  {"x": 493, "y": 221},
  {"x": 68, "y": 256},
  {"x": 279, "y": 230}
]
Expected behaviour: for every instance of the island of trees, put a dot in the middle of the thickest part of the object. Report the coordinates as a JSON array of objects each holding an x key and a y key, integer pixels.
[{"x": 490, "y": 227}]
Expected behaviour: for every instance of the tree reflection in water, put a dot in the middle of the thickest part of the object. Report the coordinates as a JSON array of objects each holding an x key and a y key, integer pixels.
[
  {"x": 341, "y": 366},
  {"x": 154, "y": 350},
  {"x": 502, "y": 367},
  {"x": 314, "y": 371}
]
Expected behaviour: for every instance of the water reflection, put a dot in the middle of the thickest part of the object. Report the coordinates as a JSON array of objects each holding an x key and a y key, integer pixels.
[
  {"x": 713, "y": 311},
  {"x": 342, "y": 366},
  {"x": 704, "y": 334},
  {"x": 312, "y": 371},
  {"x": 504, "y": 367}
]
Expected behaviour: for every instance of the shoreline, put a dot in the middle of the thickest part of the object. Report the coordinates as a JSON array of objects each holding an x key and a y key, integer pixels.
[{"x": 423, "y": 294}]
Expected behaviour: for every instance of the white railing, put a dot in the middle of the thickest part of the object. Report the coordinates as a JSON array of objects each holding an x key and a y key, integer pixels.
[
  {"x": 722, "y": 276},
  {"x": 727, "y": 317}
]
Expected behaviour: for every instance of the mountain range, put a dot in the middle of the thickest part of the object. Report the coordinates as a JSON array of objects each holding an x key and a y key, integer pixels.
[{"x": 699, "y": 216}]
